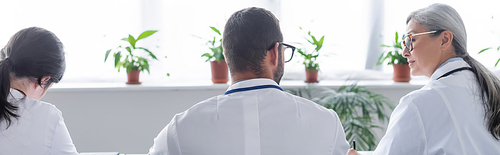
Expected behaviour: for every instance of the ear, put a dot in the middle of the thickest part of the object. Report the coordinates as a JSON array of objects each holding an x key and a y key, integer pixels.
[
  {"x": 273, "y": 53},
  {"x": 446, "y": 40},
  {"x": 43, "y": 80}
]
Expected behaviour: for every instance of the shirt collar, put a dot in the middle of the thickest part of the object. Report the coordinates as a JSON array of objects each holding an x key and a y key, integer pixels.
[
  {"x": 16, "y": 93},
  {"x": 251, "y": 83},
  {"x": 450, "y": 60},
  {"x": 448, "y": 66}
]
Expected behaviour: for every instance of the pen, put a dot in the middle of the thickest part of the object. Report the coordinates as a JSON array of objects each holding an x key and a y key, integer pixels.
[{"x": 354, "y": 144}]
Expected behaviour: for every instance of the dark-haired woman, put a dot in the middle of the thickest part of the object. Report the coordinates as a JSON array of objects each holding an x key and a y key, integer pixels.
[
  {"x": 32, "y": 61},
  {"x": 458, "y": 111}
]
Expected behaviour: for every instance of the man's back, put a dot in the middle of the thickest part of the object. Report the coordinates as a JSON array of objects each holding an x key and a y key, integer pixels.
[{"x": 255, "y": 118}]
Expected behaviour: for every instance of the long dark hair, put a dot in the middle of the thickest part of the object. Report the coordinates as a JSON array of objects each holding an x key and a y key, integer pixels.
[
  {"x": 31, "y": 53},
  {"x": 444, "y": 17}
]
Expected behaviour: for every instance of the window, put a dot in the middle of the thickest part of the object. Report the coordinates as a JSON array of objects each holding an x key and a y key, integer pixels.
[
  {"x": 85, "y": 28},
  {"x": 353, "y": 30}
]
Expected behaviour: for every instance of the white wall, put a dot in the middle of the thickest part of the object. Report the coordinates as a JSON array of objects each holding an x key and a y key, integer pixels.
[{"x": 127, "y": 118}]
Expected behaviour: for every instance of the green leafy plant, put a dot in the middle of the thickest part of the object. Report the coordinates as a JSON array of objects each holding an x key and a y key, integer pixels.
[
  {"x": 215, "y": 46},
  {"x": 355, "y": 105},
  {"x": 394, "y": 56},
  {"x": 310, "y": 57},
  {"x": 127, "y": 56},
  {"x": 485, "y": 49}
]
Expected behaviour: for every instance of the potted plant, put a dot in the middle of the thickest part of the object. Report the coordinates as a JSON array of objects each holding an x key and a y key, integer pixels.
[
  {"x": 311, "y": 66},
  {"x": 396, "y": 59},
  {"x": 216, "y": 58},
  {"x": 355, "y": 105},
  {"x": 127, "y": 56}
]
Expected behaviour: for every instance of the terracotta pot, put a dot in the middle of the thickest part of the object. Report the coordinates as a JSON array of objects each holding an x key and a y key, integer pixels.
[
  {"x": 219, "y": 71},
  {"x": 133, "y": 77},
  {"x": 401, "y": 73},
  {"x": 311, "y": 76}
]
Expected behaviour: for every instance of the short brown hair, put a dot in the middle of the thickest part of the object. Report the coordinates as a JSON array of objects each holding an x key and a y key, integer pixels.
[{"x": 247, "y": 36}]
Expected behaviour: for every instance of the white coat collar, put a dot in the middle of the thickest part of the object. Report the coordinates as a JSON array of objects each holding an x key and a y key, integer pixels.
[
  {"x": 251, "y": 83},
  {"x": 448, "y": 67},
  {"x": 16, "y": 94}
]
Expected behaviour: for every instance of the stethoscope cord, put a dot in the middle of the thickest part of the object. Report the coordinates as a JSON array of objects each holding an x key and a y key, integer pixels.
[
  {"x": 455, "y": 70},
  {"x": 252, "y": 88}
]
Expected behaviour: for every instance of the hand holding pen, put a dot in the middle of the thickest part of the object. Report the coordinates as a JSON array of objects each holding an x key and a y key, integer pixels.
[
  {"x": 353, "y": 150},
  {"x": 354, "y": 144}
]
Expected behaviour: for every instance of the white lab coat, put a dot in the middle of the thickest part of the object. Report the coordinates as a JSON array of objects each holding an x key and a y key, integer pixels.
[
  {"x": 40, "y": 129},
  {"x": 255, "y": 122},
  {"x": 446, "y": 116}
]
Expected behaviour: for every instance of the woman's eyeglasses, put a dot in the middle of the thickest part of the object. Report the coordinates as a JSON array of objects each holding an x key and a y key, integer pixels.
[{"x": 407, "y": 41}]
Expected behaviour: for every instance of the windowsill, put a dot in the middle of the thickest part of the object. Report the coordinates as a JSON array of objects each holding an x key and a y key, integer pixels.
[{"x": 208, "y": 85}]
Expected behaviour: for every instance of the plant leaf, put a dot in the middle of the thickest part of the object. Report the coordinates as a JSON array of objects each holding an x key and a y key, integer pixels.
[
  {"x": 314, "y": 40},
  {"x": 118, "y": 56},
  {"x": 218, "y": 54},
  {"x": 128, "y": 68},
  {"x": 215, "y": 30},
  {"x": 320, "y": 43},
  {"x": 497, "y": 62},
  {"x": 129, "y": 50},
  {"x": 149, "y": 52},
  {"x": 212, "y": 42},
  {"x": 397, "y": 37},
  {"x": 309, "y": 41},
  {"x": 380, "y": 60},
  {"x": 301, "y": 52},
  {"x": 131, "y": 40},
  {"x": 209, "y": 58},
  {"x": 498, "y": 48},
  {"x": 124, "y": 39},
  {"x": 106, "y": 55},
  {"x": 393, "y": 58},
  {"x": 206, "y": 55},
  {"x": 484, "y": 50},
  {"x": 146, "y": 65},
  {"x": 146, "y": 34}
]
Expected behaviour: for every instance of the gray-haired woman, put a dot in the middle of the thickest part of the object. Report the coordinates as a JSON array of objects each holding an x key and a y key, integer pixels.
[{"x": 458, "y": 111}]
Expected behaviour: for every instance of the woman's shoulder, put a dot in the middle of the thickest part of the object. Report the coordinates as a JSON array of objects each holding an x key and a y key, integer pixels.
[
  {"x": 425, "y": 97},
  {"x": 426, "y": 92},
  {"x": 31, "y": 106},
  {"x": 36, "y": 109},
  {"x": 50, "y": 108}
]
